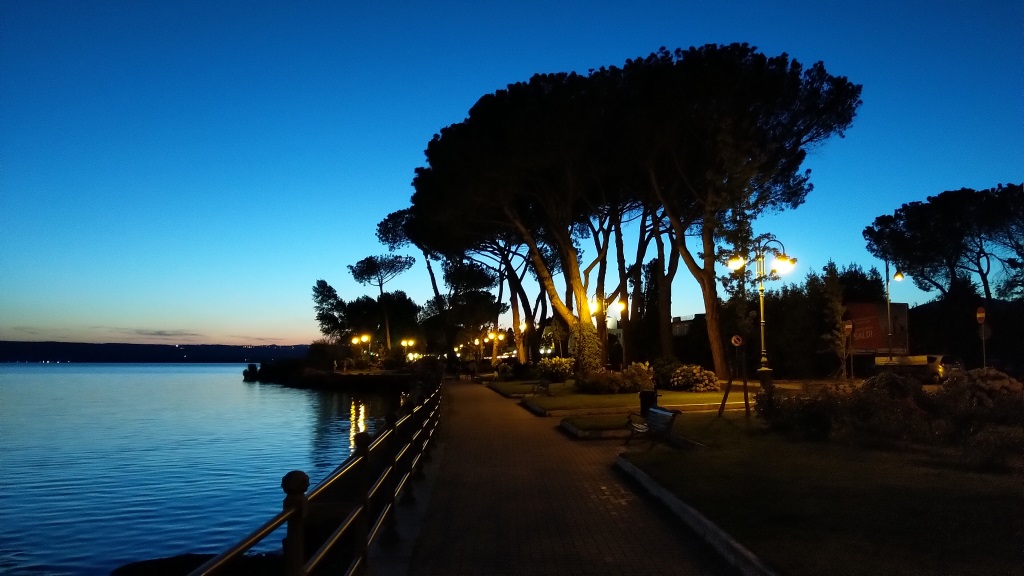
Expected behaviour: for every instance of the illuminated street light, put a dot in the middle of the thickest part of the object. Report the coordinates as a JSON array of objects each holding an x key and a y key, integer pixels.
[
  {"x": 780, "y": 265},
  {"x": 898, "y": 276},
  {"x": 364, "y": 339}
]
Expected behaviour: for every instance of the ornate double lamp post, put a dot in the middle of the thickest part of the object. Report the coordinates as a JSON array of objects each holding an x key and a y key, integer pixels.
[
  {"x": 780, "y": 265},
  {"x": 406, "y": 345}
]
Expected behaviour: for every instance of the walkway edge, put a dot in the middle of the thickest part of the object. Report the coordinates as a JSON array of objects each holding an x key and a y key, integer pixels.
[{"x": 731, "y": 550}]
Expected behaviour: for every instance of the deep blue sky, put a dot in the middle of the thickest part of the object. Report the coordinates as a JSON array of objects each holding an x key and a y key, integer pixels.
[{"x": 185, "y": 171}]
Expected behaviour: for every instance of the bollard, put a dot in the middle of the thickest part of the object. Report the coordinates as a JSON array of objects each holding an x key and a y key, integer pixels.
[{"x": 295, "y": 484}]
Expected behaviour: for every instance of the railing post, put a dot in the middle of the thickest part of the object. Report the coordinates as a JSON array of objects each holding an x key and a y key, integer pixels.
[
  {"x": 390, "y": 534},
  {"x": 431, "y": 415},
  {"x": 425, "y": 412},
  {"x": 295, "y": 484},
  {"x": 409, "y": 436},
  {"x": 363, "y": 475}
]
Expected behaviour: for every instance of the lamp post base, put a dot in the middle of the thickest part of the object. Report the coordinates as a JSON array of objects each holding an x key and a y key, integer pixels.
[{"x": 764, "y": 375}]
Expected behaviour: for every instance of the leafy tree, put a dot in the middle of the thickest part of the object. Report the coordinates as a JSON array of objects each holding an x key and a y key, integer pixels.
[
  {"x": 955, "y": 237},
  {"x": 364, "y": 316},
  {"x": 691, "y": 136},
  {"x": 330, "y": 311},
  {"x": 835, "y": 335},
  {"x": 395, "y": 232},
  {"x": 377, "y": 271},
  {"x": 725, "y": 130},
  {"x": 1009, "y": 238},
  {"x": 515, "y": 168},
  {"x": 914, "y": 238},
  {"x": 403, "y": 313}
]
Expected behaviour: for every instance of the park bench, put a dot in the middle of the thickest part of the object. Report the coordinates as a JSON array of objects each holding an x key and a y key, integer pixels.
[{"x": 656, "y": 425}]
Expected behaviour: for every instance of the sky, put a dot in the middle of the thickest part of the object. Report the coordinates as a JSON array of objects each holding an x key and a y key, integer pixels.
[{"x": 184, "y": 172}]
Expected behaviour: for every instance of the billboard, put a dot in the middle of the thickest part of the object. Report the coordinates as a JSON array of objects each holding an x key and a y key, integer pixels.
[{"x": 870, "y": 333}]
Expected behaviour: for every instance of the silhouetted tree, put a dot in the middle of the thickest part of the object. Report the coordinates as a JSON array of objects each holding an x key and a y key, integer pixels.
[
  {"x": 403, "y": 314},
  {"x": 953, "y": 238},
  {"x": 725, "y": 129},
  {"x": 1010, "y": 239},
  {"x": 330, "y": 311},
  {"x": 377, "y": 271},
  {"x": 687, "y": 136}
]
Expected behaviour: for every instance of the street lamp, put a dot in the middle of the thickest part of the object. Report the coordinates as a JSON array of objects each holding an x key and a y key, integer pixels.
[
  {"x": 898, "y": 276},
  {"x": 781, "y": 265}
]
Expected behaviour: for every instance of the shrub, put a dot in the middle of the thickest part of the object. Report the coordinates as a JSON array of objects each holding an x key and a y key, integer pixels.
[
  {"x": 972, "y": 400},
  {"x": 586, "y": 348},
  {"x": 504, "y": 371},
  {"x": 600, "y": 382},
  {"x": 522, "y": 371},
  {"x": 514, "y": 370},
  {"x": 555, "y": 369},
  {"x": 663, "y": 368},
  {"x": 994, "y": 448},
  {"x": 980, "y": 414},
  {"x": 892, "y": 385},
  {"x": 693, "y": 378},
  {"x": 639, "y": 376},
  {"x": 810, "y": 417}
]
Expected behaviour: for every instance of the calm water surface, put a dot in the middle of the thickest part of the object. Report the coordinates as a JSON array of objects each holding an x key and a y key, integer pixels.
[{"x": 106, "y": 464}]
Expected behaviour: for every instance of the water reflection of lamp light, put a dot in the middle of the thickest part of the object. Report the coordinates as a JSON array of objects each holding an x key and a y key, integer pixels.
[{"x": 357, "y": 420}]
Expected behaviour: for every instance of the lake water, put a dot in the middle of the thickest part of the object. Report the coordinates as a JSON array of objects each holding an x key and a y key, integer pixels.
[{"x": 105, "y": 464}]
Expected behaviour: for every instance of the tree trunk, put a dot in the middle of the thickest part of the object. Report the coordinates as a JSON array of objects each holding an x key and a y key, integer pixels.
[{"x": 705, "y": 276}]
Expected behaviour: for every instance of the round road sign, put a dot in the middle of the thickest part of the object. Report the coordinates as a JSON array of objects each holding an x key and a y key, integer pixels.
[
  {"x": 980, "y": 315},
  {"x": 737, "y": 340}
]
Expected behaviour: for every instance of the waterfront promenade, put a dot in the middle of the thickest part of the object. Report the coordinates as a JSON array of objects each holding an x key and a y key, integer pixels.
[{"x": 507, "y": 494}]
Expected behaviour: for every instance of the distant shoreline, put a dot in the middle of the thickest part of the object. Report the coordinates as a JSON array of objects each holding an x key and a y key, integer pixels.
[{"x": 81, "y": 352}]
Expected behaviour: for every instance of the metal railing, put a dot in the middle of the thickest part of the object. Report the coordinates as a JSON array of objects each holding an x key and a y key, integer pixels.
[{"x": 331, "y": 527}]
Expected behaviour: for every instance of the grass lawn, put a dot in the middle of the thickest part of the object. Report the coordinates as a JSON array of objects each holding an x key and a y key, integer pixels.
[{"x": 816, "y": 508}]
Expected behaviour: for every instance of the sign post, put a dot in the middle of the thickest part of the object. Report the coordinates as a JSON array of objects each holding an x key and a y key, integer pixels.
[{"x": 737, "y": 342}]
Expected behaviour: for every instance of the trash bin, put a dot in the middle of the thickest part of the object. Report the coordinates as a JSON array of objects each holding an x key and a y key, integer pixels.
[{"x": 648, "y": 398}]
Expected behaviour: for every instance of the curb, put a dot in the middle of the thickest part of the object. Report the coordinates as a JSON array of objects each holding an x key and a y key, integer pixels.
[{"x": 732, "y": 551}]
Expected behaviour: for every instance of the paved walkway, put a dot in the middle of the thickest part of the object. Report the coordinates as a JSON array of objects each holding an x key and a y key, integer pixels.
[{"x": 513, "y": 495}]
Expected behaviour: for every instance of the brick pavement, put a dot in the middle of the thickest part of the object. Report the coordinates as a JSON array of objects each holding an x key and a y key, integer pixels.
[{"x": 513, "y": 495}]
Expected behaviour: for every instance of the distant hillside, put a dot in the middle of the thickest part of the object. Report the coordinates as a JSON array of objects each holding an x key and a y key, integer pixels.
[{"x": 164, "y": 353}]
